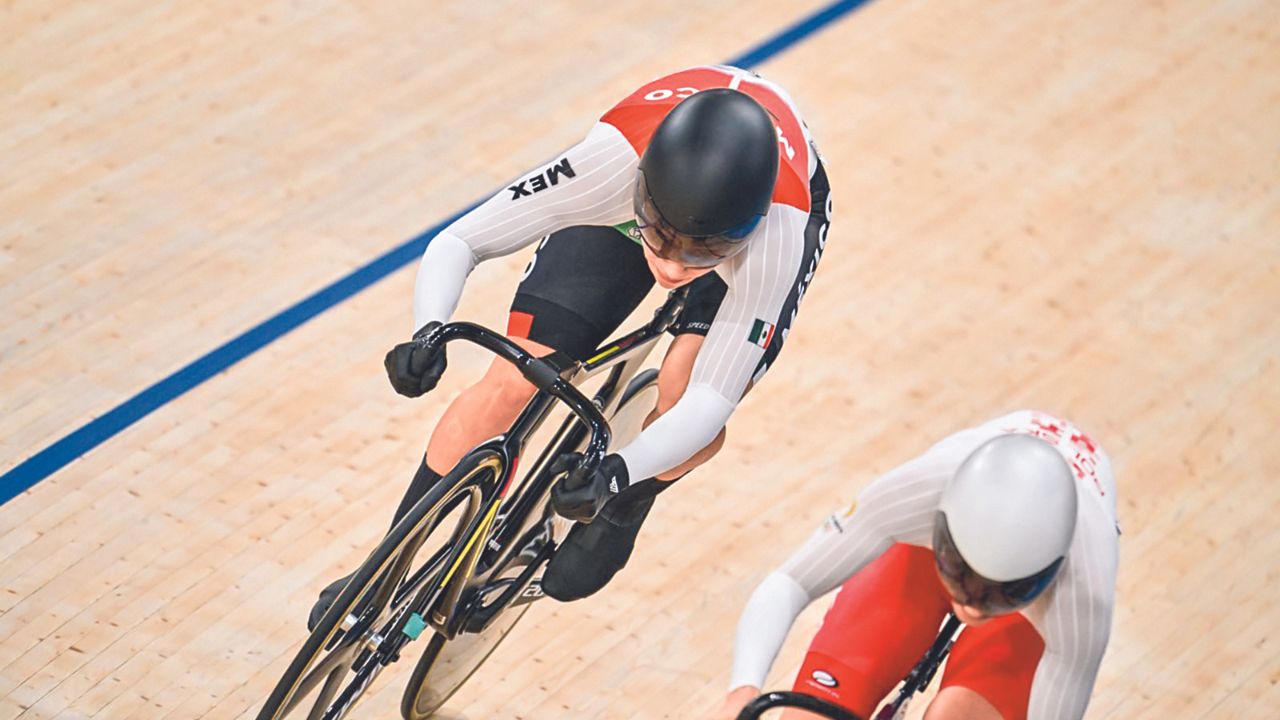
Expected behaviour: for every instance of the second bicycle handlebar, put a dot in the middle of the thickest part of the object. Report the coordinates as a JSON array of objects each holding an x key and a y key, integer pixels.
[
  {"x": 542, "y": 374},
  {"x": 771, "y": 700}
]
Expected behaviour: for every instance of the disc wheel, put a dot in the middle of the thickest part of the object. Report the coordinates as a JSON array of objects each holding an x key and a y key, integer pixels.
[{"x": 345, "y": 651}]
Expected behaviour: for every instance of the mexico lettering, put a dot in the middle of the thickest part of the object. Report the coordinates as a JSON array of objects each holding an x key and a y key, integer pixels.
[{"x": 543, "y": 180}]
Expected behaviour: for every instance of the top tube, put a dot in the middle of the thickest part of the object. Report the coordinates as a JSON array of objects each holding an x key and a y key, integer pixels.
[{"x": 613, "y": 351}]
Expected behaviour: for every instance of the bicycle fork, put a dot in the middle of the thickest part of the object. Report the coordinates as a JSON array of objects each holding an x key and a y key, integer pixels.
[{"x": 922, "y": 674}]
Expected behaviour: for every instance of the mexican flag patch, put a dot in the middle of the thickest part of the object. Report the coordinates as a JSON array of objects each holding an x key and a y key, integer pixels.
[{"x": 761, "y": 333}]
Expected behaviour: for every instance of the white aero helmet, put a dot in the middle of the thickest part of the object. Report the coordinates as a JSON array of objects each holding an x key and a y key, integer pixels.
[{"x": 1005, "y": 524}]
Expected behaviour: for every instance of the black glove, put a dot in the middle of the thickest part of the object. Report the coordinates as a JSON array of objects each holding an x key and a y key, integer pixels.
[
  {"x": 415, "y": 367},
  {"x": 580, "y": 495}
]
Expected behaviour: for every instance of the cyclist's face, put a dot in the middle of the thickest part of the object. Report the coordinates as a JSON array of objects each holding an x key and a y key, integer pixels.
[
  {"x": 669, "y": 273},
  {"x": 968, "y": 615}
]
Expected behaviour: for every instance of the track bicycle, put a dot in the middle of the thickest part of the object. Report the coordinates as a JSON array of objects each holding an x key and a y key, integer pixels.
[
  {"x": 465, "y": 563},
  {"x": 915, "y": 682}
]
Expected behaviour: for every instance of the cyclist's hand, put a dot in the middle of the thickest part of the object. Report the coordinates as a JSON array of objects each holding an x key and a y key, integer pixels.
[
  {"x": 581, "y": 493},
  {"x": 734, "y": 703},
  {"x": 415, "y": 367}
]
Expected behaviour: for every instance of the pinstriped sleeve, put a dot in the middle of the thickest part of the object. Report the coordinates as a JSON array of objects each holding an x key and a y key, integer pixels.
[
  {"x": 589, "y": 184},
  {"x": 897, "y": 507},
  {"x": 1076, "y": 623},
  {"x": 759, "y": 283}
]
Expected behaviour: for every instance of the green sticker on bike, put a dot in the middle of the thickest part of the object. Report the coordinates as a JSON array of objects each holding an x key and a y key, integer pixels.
[{"x": 414, "y": 626}]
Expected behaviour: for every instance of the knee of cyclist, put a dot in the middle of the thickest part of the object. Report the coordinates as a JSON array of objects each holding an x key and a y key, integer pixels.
[{"x": 506, "y": 386}]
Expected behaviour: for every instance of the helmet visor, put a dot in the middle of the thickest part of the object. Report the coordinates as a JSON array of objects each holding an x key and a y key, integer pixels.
[
  {"x": 970, "y": 589},
  {"x": 695, "y": 251}
]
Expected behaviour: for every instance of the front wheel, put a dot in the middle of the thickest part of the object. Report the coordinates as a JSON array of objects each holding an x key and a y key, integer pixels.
[
  {"x": 349, "y": 646},
  {"x": 447, "y": 664}
]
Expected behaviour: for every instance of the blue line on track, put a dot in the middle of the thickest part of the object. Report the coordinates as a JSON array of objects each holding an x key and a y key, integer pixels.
[
  {"x": 103, "y": 428},
  {"x": 797, "y": 32}
]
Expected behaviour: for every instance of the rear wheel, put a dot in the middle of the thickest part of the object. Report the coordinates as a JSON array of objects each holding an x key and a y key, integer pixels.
[
  {"x": 359, "y": 634},
  {"x": 447, "y": 664},
  {"x": 638, "y": 400}
]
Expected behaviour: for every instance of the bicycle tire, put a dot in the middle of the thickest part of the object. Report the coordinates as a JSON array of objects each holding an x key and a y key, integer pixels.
[
  {"x": 423, "y": 696},
  {"x": 379, "y": 575}
]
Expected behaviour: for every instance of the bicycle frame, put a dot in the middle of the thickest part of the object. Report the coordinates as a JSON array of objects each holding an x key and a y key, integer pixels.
[
  {"x": 451, "y": 585},
  {"x": 922, "y": 674},
  {"x": 555, "y": 376}
]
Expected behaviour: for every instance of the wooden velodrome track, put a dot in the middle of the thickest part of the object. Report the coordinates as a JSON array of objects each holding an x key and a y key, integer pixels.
[{"x": 1072, "y": 206}]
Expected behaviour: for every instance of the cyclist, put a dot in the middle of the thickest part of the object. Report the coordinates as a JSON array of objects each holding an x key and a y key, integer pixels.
[
  {"x": 707, "y": 177},
  {"x": 1010, "y": 525}
]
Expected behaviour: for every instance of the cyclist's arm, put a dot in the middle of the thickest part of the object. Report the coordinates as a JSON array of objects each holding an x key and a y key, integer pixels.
[
  {"x": 1076, "y": 624},
  {"x": 759, "y": 281},
  {"x": 1069, "y": 666},
  {"x": 589, "y": 184},
  {"x": 897, "y": 507}
]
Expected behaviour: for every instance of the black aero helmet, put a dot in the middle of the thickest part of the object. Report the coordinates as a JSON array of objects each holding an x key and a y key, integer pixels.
[{"x": 706, "y": 178}]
